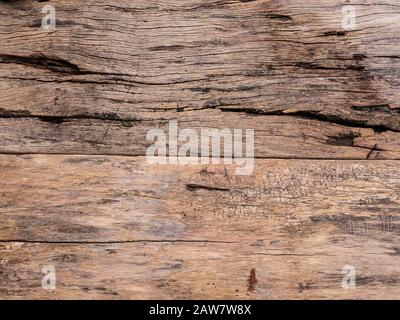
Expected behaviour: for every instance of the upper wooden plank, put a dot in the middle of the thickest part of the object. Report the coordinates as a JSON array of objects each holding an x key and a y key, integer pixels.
[{"x": 153, "y": 60}]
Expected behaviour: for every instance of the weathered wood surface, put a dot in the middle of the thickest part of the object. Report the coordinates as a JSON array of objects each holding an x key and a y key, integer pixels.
[
  {"x": 274, "y": 137},
  {"x": 118, "y": 227},
  {"x": 85, "y": 95},
  {"x": 198, "y": 270},
  {"x": 147, "y": 61},
  {"x": 85, "y": 198}
]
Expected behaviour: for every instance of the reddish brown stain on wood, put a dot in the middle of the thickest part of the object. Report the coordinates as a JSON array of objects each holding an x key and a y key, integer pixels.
[{"x": 252, "y": 280}]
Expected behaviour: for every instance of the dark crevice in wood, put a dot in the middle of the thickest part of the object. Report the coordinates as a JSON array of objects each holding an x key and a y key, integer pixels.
[
  {"x": 374, "y": 148},
  {"x": 280, "y": 17},
  {"x": 388, "y": 57},
  {"x": 385, "y": 108},
  {"x": 52, "y": 64},
  {"x": 345, "y": 139},
  {"x": 314, "y": 66},
  {"x": 116, "y": 78},
  {"x": 315, "y": 115},
  {"x": 334, "y": 33},
  {"x": 44, "y": 62},
  {"x": 49, "y": 119},
  {"x": 55, "y": 119},
  {"x": 359, "y": 56},
  {"x": 371, "y": 152},
  {"x": 305, "y": 114},
  {"x": 193, "y": 187}
]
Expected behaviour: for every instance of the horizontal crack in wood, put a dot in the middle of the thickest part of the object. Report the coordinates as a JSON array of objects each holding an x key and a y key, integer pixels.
[
  {"x": 313, "y": 115},
  {"x": 193, "y": 187}
]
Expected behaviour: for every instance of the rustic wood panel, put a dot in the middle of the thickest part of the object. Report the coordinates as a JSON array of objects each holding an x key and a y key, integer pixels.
[
  {"x": 76, "y": 198},
  {"x": 77, "y": 193},
  {"x": 118, "y": 227},
  {"x": 274, "y": 136},
  {"x": 152, "y": 60},
  {"x": 198, "y": 270}
]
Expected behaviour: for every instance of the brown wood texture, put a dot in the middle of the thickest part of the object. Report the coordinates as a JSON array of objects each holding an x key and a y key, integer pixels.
[
  {"x": 76, "y": 191},
  {"x": 122, "y": 228}
]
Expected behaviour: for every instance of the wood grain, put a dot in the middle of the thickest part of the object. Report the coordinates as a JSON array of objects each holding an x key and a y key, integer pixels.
[
  {"x": 202, "y": 270},
  {"x": 197, "y": 231},
  {"x": 77, "y": 193},
  {"x": 140, "y": 62},
  {"x": 274, "y": 136}
]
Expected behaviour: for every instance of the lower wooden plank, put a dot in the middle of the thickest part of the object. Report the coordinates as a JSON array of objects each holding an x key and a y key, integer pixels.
[
  {"x": 263, "y": 270},
  {"x": 87, "y": 198},
  {"x": 118, "y": 227}
]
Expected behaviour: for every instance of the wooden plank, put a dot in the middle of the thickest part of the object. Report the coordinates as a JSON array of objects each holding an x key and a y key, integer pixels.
[
  {"x": 77, "y": 193},
  {"x": 274, "y": 136},
  {"x": 77, "y": 198},
  {"x": 161, "y": 59},
  {"x": 118, "y": 227},
  {"x": 200, "y": 270}
]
